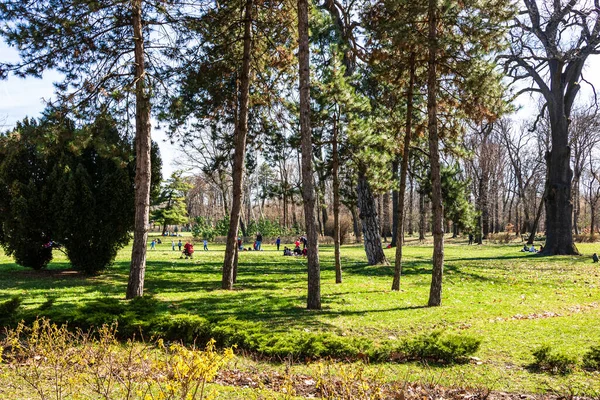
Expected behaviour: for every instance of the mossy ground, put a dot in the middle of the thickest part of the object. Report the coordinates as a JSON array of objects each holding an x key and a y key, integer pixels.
[{"x": 514, "y": 301}]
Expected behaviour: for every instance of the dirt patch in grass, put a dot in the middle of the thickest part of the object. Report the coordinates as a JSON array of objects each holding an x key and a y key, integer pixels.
[{"x": 358, "y": 387}]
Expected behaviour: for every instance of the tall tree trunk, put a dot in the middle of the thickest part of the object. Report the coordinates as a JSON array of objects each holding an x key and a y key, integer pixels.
[
  {"x": 536, "y": 221},
  {"x": 336, "y": 203},
  {"x": 241, "y": 132},
  {"x": 355, "y": 224},
  {"x": 143, "y": 141},
  {"x": 576, "y": 205},
  {"x": 308, "y": 190},
  {"x": 559, "y": 237},
  {"x": 318, "y": 214},
  {"x": 559, "y": 208},
  {"x": 248, "y": 205},
  {"x": 285, "y": 210},
  {"x": 370, "y": 222},
  {"x": 410, "y": 208},
  {"x": 323, "y": 206},
  {"x": 379, "y": 213},
  {"x": 404, "y": 173},
  {"x": 497, "y": 209},
  {"x": 395, "y": 179},
  {"x": 386, "y": 216},
  {"x": 422, "y": 221},
  {"x": 437, "y": 207},
  {"x": 592, "y": 220}
]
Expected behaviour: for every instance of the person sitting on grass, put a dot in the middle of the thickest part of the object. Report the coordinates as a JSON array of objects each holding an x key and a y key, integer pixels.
[
  {"x": 525, "y": 248},
  {"x": 595, "y": 257},
  {"x": 304, "y": 252},
  {"x": 532, "y": 249},
  {"x": 188, "y": 250},
  {"x": 297, "y": 250},
  {"x": 287, "y": 252}
]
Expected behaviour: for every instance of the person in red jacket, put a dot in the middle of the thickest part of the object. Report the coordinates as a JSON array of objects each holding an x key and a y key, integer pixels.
[{"x": 188, "y": 250}]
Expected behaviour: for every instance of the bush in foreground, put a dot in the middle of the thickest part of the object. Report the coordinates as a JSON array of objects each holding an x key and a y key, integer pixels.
[
  {"x": 55, "y": 361},
  {"x": 591, "y": 359},
  {"x": 140, "y": 318},
  {"x": 547, "y": 359}
]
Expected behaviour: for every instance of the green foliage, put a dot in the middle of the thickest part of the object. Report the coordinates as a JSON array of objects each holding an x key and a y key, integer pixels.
[
  {"x": 547, "y": 359},
  {"x": 268, "y": 228},
  {"x": 171, "y": 208},
  {"x": 93, "y": 205},
  {"x": 591, "y": 359},
  {"x": 182, "y": 327},
  {"x": 222, "y": 226},
  {"x": 25, "y": 218},
  {"x": 203, "y": 229},
  {"x": 447, "y": 348},
  {"x": 9, "y": 308},
  {"x": 455, "y": 195},
  {"x": 139, "y": 317},
  {"x": 435, "y": 346},
  {"x": 71, "y": 186}
]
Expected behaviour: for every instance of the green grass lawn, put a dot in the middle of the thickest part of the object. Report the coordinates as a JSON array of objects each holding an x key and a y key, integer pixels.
[{"x": 514, "y": 301}]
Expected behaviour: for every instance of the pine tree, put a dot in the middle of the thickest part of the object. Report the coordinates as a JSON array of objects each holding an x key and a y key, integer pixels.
[
  {"x": 171, "y": 208},
  {"x": 308, "y": 190},
  {"x": 108, "y": 52}
]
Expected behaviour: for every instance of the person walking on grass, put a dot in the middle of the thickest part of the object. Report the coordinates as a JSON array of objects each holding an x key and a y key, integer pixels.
[
  {"x": 258, "y": 241},
  {"x": 179, "y": 244},
  {"x": 205, "y": 245},
  {"x": 173, "y": 245},
  {"x": 152, "y": 244},
  {"x": 278, "y": 242}
]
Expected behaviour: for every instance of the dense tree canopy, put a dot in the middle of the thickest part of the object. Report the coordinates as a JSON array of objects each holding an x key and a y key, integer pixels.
[{"x": 66, "y": 187}]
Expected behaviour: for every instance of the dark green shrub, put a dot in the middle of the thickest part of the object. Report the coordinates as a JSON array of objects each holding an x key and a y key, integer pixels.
[
  {"x": 9, "y": 308},
  {"x": 24, "y": 216},
  {"x": 67, "y": 185},
  {"x": 436, "y": 346},
  {"x": 98, "y": 312},
  {"x": 181, "y": 327},
  {"x": 552, "y": 361},
  {"x": 46, "y": 305},
  {"x": 93, "y": 205},
  {"x": 591, "y": 359},
  {"x": 143, "y": 306},
  {"x": 247, "y": 335}
]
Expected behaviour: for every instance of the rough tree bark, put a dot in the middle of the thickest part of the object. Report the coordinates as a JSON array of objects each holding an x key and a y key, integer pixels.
[
  {"x": 422, "y": 221},
  {"x": 410, "y": 208},
  {"x": 395, "y": 165},
  {"x": 336, "y": 202},
  {"x": 536, "y": 221},
  {"x": 404, "y": 173},
  {"x": 437, "y": 206},
  {"x": 370, "y": 223},
  {"x": 308, "y": 190},
  {"x": 355, "y": 224},
  {"x": 386, "y": 232},
  {"x": 241, "y": 132},
  {"x": 135, "y": 284}
]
